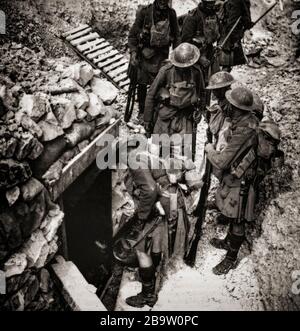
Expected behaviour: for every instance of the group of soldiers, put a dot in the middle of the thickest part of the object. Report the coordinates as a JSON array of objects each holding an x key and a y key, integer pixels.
[{"x": 242, "y": 144}]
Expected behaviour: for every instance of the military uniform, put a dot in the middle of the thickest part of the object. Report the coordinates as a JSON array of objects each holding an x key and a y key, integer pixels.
[
  {"x": 151, "y": 36},
  {"x": 152, "y": 179},
  {"x": 240, "y": 140},
  {"x": 202, "y": 28},
  {"x": 237, "y": 163},
  {"x": 233, "y": 53},
  {"x": 186, "y": 89}
]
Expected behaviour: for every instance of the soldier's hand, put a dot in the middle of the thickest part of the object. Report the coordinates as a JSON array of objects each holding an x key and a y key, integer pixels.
[
  {"x": 208, "y": 148},
  {"x": 133, "y": 59},
  {"x": 204, "y": 62}
]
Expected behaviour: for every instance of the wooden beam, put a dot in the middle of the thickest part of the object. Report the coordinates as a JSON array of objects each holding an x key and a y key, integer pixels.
[{"x": 81, "y": 162}]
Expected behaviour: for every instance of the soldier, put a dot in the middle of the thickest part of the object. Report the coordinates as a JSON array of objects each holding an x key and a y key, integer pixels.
[
  {"x": 232, "y": 53},
  {"x": 183, "y": 80},
  {"x": 219, "y": 120},
  {"x": 157, "y": 181},
  {"x": 153, "y": 32},
  {"x": 219, "y": 84},
  {"x": 202, "y": 28},
  {"x": 237, "y": 162}
]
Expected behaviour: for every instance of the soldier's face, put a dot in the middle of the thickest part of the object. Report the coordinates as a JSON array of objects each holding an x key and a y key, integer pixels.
[{"x": 163, "y": 4}]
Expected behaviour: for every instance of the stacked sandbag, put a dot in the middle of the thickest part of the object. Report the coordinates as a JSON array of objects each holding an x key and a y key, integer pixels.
[{"x": 40, "y": 133}]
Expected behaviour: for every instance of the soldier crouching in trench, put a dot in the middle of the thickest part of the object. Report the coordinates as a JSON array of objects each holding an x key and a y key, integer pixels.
[{"x": 154, "y": 234}]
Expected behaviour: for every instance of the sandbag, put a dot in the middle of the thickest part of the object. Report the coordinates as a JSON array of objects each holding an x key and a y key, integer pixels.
[
  {"x": 31, "y": 189},
  {"x": 79, "y": 132},
  {"x": 51, "y": 153}
]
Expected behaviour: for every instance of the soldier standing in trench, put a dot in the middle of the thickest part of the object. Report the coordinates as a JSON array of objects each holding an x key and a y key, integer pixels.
[
  {"x": 202, "y": 28},
  {"x": 237, "y": 163},
  {"x": 153, "y": 32},
  {"x": 185, "y": 95},
  {"x": 232, "y": 53}
]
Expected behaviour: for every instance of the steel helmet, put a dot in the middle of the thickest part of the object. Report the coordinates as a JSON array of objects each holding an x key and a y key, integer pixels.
[
  {"x": 241, "y": 98},
  {"x": 185, "y": 55},
  {"x": 220, "y": 79}
]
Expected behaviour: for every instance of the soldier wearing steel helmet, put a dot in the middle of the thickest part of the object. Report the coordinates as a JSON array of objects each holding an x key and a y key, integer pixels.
[
  {"x": 219, "y": 84},
  {"x": 184, "y": 82},
  {"x": 237, "y": 162}
]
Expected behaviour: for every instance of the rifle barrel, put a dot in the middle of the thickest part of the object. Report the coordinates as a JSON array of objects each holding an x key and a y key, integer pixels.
[{"x": 266, "y": 13}]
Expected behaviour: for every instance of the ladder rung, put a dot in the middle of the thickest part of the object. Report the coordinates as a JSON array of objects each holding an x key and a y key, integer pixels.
[
  {"x": 80, "y": 28},
  {"x": 120, "y": 78},
  {"x": 84, "y": 39},
  {"x": 89, "y": 46},
  {"x": 115, "y": 65},
  {"x": 118, "y": 71},
  {"x": 78, "y": 34},
  {"x": 105, "y": 56},
  {"x": 102, "y": 51},
  {"x": 110, "y": 61},
  {"x": 99, "y": 46}
]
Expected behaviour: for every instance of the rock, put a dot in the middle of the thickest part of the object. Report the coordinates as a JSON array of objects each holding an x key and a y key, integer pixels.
[
  {"x": 51, "y": 153},
  {"x": 31, "y": 289},
  {"x": 105, "y": 90},
  {"x": 96, "y": 106},
  {"x": 25, "y": 146},
  {"x": 45, "y": 281},
  {"x": 50, "y": 127},
  {"x": 64, "y": 111},
  {"x": 17, "y": 302},
  {"x": 28, "y": 124},
  {"x": 53, "y": 174},
  {"x": 13, "y": 173},
  {"x": 82, "y": 73},
  {"x": 33, "y": 247},
  {"x": 12, "y": 195},
  {"x": 51, "y": 224},
  {"x": 276, "y": 62},
  {"x": 83, "y": 145},
  {"x": 35, "y": 106},
  {"x": 16, "y": 265},
  {"x": 10, "y": 230},
  {"x": 32, "y": 214},
  {"x": 80, "y": 99},
  {"x": 81, "y": 115},
  {"x": 78, "y": 133},
  {"x": 31, "y": 189},
  {"x": 36, "y": 151}
]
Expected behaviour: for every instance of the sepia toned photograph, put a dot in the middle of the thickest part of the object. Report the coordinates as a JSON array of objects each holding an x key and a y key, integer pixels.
[{"x": 149, "y": 158}]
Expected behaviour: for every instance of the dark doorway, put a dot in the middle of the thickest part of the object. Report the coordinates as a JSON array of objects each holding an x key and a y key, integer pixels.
[{"x": 88, "y": 219}]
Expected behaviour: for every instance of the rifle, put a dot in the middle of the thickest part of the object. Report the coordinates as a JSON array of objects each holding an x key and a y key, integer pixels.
[
  {"x": 201, "y": 209},
  {"x": 132, "y": 74},
  {"x": 264, "y": 14},
  {"x": 218, "y": 49}
]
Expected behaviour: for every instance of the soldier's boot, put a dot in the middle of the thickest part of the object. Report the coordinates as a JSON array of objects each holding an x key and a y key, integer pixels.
[
  {"x": 148, "y": 296},
  {"x": 141, "y": 94},
  {"x": 230, "y": 261},
  {"x": 221, "y": 243}
]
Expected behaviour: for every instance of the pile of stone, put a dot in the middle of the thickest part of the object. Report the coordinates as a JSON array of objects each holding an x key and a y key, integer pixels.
[{"x": 39, "y": 134}]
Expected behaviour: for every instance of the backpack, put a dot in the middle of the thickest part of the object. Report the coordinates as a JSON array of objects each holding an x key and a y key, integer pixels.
[{"x": 269, "y": 135}]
